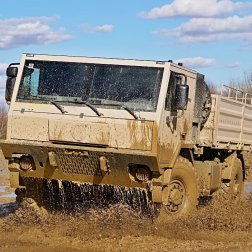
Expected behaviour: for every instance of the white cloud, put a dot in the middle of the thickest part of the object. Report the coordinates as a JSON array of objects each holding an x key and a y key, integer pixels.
[
  {"x": 3, "y": 68},
  {"x": 212, "y": 29},
  {"x": 234, "y": 65},
  {"x": 30, "y": 30},
  {"x": 104, "y": 28},
  {"x": 98, "y": 28},
  {"x": 196, "y": 62},
  {"x": 195, "y": 8}
]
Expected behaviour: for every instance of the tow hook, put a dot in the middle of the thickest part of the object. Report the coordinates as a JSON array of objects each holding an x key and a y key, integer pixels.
[{"x": 104, "y": 165}]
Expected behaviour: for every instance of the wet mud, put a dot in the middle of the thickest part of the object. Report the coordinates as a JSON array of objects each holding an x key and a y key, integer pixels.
[{"x": 219, "y": 226}]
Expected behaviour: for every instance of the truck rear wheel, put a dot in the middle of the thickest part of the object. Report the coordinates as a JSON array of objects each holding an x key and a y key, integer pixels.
[
  {"x": 236, "y": 183},
  {"x": 233, "y": 189},
  {"x": 182, "y": 190}
]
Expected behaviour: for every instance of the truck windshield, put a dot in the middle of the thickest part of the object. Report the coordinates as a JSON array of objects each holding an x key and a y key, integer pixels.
[{"x": 136, "y": 87}]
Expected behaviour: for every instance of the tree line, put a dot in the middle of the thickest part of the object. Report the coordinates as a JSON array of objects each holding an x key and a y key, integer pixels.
[{"x": 242, "y": 83}]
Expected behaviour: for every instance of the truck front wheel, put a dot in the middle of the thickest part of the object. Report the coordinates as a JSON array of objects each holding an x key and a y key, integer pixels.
[{"x": 182, "y": 194}]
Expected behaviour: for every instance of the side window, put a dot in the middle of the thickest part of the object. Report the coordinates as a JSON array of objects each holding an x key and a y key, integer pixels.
[
  {"x": 30, "y": 83},
  {"x": 35, "y": 82},
  {"x": 170, "y": 96}
]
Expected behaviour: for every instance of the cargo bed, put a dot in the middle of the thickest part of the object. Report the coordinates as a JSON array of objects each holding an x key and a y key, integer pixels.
[{"x": 230, "y": 123}]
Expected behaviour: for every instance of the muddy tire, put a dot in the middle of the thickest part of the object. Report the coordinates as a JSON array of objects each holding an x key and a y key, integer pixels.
[
  {"x": 183, "y": 192},
  {"x": 233, "y": 190},
  {"x": 236, "y": 183}
]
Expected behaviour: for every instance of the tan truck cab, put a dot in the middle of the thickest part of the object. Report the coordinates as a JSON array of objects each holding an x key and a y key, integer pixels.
[{"x": 120, "y": 122}]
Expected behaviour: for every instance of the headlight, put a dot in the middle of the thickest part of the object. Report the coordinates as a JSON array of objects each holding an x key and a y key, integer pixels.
[{"x": 26, "y": 163}]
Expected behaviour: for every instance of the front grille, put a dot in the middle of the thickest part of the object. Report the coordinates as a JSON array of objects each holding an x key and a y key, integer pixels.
[{"x": 77, "y": 163}]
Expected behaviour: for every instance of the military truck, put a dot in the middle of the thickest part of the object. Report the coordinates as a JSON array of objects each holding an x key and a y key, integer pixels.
[{"x": 125, "y": 123}]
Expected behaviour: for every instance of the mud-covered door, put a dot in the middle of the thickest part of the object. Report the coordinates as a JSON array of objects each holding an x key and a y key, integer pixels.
[{"x": 169, "y": 137}]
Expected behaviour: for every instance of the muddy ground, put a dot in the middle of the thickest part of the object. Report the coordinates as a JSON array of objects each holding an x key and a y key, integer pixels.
[
  {"x": 217, "y": 227},
  {"x": 120, "y": 229},
  {"x": 220, "y": 226}
]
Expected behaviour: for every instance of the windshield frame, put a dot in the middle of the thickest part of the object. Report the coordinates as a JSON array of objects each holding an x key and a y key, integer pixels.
[{"x": 116, "y": 62}]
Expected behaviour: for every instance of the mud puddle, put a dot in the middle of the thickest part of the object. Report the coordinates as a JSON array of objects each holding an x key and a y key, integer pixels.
[{"x": 217, "y": 227}]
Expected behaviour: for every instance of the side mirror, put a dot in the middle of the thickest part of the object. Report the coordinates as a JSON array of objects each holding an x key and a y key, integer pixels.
[
  {"x": 181, "y": 96},
  {"x": 12, "y": 72},
  {"x": 9, "y": 88}
]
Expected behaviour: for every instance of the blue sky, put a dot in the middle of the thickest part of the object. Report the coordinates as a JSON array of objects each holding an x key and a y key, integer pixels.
[{"x": 212, "y": 36}]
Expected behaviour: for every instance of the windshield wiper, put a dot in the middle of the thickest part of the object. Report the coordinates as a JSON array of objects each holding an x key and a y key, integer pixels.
[
  {"x": 87, "y": 104},
  {"x": 58, "y": 106},
  {"x": 93, "y": 108},
  {"x": 122, "y": 106},
  {"x": 53, "y": 102},
  {"x": 129, "y": 110}
]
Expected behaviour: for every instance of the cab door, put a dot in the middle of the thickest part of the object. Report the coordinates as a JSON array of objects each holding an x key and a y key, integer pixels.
[{"x": 170, "y": 125}]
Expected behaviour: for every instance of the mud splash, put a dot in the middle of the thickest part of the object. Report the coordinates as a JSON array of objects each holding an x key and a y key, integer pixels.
[
  {"x": 117, "y": 226},
  {"x": 71, "y": 197},
  {"x": 107, "y": 204},
  {"x": 120, "y": 228}
]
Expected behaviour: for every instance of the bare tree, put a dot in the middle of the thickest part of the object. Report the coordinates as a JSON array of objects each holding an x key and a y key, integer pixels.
[
  {"x": 243, "y": 83},
  {"x": 212, "y": 87},
  {"x": 3, "y": 120}
]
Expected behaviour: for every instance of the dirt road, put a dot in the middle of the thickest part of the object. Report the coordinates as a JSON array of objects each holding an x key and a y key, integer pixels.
[{"x": 212, "y": 228}]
